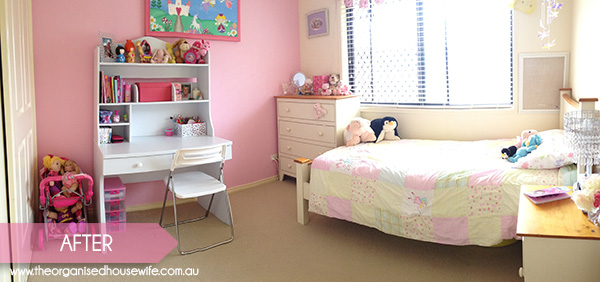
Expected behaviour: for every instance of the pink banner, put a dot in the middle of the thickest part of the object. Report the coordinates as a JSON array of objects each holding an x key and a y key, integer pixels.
[{"x": 84, "y": 243}]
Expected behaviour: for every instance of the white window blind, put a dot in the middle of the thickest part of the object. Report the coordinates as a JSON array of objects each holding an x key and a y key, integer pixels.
[{"x": 431, "y": 53}]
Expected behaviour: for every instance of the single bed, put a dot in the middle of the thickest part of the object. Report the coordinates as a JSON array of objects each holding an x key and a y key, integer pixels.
[{"x": 449, "y": 192}]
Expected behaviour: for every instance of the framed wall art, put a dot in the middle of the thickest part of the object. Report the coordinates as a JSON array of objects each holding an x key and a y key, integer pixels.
[
  {"x": 541, "y": 75},
  {"x": 317, "y": 23},
  {"x": 206, "y": 19}
]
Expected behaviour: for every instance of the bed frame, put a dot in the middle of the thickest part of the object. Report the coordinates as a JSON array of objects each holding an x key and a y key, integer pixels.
[{"x": 303, "y": 164}]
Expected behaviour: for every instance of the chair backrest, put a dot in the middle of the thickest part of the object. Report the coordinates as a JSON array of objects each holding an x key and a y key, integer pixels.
[{"x": 190, "y": 157}]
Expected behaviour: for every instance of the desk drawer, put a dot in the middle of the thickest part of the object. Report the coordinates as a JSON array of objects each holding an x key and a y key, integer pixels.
[
  {"x": 137, "y": 164},
  {"x": 314, "y": 132},
  {"x": 306, "y": 110},
  {"x": 300, "y": 149}
]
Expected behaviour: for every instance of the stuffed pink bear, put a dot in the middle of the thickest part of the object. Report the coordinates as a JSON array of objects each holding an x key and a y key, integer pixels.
[{"x": 359, "y": 130}]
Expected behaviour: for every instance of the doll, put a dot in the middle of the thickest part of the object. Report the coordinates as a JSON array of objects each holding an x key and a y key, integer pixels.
[
  {"x": 53, "y": 166},
  {"x": 68, "y": 219},
  {"x": 69, "y": 183},
  {"x": 130, "y": 50},
  {"x": 120, "y": 50}
]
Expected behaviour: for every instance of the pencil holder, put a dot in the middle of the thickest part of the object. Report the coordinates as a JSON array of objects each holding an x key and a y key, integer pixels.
[{"x": 189, "y": 130}]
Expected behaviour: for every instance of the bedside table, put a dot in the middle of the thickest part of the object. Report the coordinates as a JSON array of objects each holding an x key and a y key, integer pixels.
[{"x": 559, "y": 242}]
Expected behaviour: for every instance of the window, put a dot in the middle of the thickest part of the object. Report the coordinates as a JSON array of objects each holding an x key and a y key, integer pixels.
[{"x": 431, "y": 53}]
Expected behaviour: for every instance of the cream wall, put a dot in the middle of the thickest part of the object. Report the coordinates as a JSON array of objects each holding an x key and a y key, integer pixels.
[
  {"x": 323, "y": 55},
  {"x": 585, "y": 58}
]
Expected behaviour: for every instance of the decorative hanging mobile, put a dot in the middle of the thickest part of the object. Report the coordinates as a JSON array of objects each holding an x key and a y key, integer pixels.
[{"x": 549, "y": 12}]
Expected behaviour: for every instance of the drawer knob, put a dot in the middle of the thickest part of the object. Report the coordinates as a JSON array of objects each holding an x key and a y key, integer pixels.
[
  {"x": 287, "y": 109},
  {"x": 288, "y": 129},
  {"x": 320, "y": 133},
  {"x": 289, "y": 147},
  {"x": 289, "y": 166},
  {"x": 139, "y": 165}
]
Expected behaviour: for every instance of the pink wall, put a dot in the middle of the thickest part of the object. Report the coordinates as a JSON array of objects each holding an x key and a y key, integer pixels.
[{"x": 245, "y": 76}]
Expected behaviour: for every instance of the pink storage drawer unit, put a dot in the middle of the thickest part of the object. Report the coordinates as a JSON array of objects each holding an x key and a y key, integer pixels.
[
  {"x": 114, "y": 204},
  {"x": 154, "y": 91}
]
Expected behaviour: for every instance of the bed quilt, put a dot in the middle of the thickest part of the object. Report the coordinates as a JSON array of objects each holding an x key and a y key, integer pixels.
[{"x": 449, "y": 192}]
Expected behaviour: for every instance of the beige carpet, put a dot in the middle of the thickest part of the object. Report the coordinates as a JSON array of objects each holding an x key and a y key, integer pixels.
[{"x": 270, "y": 246}]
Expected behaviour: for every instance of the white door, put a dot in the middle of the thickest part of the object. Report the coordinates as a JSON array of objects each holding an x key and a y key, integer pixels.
[{"x": 19, "y": 112}]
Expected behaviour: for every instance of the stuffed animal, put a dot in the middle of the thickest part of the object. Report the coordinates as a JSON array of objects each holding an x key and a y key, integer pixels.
[
  {"x": 325, "y": 90},
  {"x": 526, "y": 147},
  {"x": 171, "y": 55},
  {"x": 161, "y": 56},
  {"x": 180, "y": 47},
  {"x": 334, "y": 83},
  {"x": 385, "y": 129},
  {"x": 510, "y": 151},
  {"x": 358, "y": 131},
  {"x": 68, "y": 219}
]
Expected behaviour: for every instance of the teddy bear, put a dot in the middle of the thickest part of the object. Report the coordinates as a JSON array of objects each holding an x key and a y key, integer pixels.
[
  {"x": 358, "y": 131},
  {"x": 526, "y": 147},
  {"x": 385, "y": 129},
  {"x": 325, "y": 90},
  {"x": 180, "y": 47},
  {"x": 334, "y": 83},
  {"x": 161, "y": 56},
  {"x": 510, "y": 151}
]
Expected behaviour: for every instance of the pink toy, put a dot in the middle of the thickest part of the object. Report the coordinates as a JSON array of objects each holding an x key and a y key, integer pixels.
[
  {"x": 358, "y": 131},
  {"x": 197, "y": 52}
]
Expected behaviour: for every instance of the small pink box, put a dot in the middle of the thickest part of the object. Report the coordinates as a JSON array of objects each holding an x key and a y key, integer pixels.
[
  {"x": 154, "y": 91},
  {"x": 318, "y": 81}
]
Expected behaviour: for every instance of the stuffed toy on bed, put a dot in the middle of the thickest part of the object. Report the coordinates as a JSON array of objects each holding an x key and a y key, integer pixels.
[
  {"x": 526, "y": 147},
  {"x": 385, "y": 129},
  {"x": 358, "y": 131},
  {"x": 510, "y": 151}
]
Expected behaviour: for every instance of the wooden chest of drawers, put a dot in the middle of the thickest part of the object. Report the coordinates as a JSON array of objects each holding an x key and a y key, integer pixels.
[{"x": 311, "y": 125}]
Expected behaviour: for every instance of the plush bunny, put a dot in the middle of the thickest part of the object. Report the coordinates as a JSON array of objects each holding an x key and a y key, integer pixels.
[{"x": 161, "y": 56}]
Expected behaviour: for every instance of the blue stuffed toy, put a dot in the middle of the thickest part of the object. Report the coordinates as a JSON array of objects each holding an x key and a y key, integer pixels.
[
  {"x": 385, "y": 129},
  {"x": 526, "y": 147}
]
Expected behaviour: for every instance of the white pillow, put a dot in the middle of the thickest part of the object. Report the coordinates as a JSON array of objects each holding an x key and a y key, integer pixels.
[{"x": 554, "y": 152}]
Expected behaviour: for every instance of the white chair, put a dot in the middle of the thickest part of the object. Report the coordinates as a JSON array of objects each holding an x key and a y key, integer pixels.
[{"x": 192, "y": 184}]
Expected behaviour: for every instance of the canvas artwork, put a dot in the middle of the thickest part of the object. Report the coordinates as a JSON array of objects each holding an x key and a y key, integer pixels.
[{"x": 204, "y": 19}]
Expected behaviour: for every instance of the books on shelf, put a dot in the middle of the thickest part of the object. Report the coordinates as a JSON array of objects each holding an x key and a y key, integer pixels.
[{"x": 549, "y": 194}]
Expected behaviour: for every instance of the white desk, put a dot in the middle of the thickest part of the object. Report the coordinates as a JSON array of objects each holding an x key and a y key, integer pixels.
[{"x": 147, "y": 159}]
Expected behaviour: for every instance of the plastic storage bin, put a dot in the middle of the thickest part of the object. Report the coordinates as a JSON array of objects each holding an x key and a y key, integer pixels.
[
  {"x": 115, "y": 216},
  {"x": 115, "y": 226}
]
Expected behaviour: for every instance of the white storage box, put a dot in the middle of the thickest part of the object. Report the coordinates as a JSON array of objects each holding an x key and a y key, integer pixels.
[{"x": 189, "y": 130}]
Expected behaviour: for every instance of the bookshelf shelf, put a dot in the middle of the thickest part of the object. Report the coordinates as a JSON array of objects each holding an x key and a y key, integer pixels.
[{"x": 151, "y": 118}]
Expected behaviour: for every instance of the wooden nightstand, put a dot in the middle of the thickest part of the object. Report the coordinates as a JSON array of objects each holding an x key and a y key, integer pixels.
[{"x": 559, "y": 242}]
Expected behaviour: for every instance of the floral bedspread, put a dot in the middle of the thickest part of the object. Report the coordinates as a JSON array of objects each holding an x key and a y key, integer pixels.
[{"x": 449, "y": 192}]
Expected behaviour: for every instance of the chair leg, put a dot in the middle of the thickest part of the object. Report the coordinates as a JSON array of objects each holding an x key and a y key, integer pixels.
[
  {"x": 164, "y": 202},
  {"x": 209, "y": 246}
]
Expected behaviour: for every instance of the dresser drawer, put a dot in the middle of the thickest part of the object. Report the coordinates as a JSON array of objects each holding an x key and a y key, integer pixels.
[
  {"x": 299, "y": 149},
  {"x": 308, "y": 131},
  {"x": 305, "y": 110},
  {"x": 287, "y": 165},
  {"x": 137, "y": 164}
]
